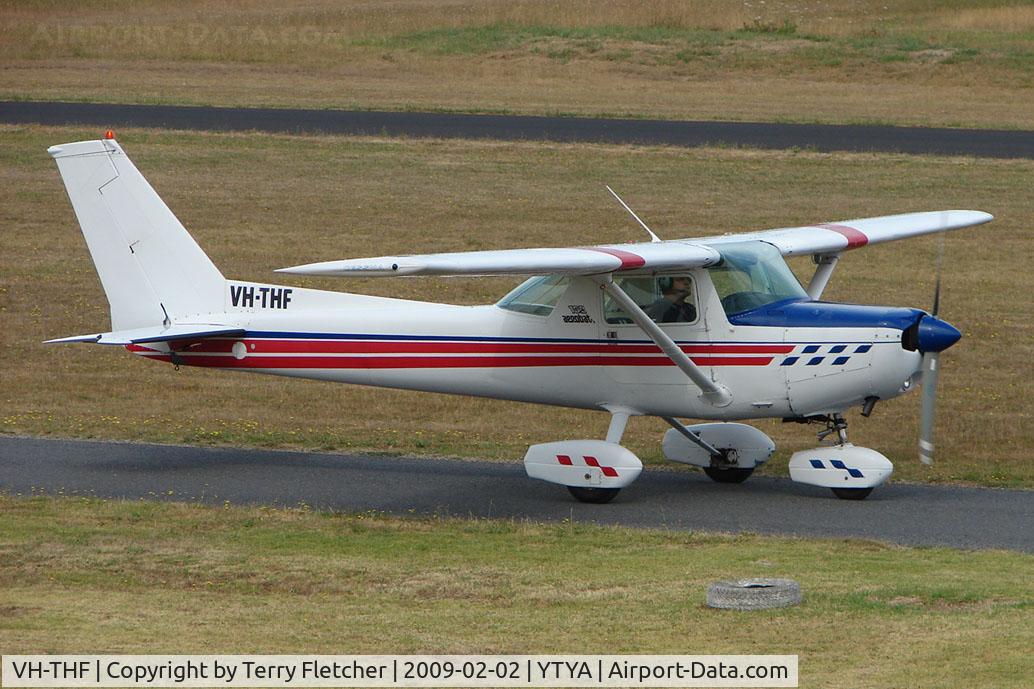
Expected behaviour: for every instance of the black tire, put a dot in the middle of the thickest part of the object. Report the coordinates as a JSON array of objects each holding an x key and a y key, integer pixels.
[
  {"x": 753, "y": 594},
  {"x": 732, "y": 475},
  {"x": 597, "y": 496},
  {"x": 851, "y": 493}
]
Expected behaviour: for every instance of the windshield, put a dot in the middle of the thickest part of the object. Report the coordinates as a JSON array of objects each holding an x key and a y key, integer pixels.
[
  {"x": 537, "y": 295},
  {"x": 752, "y": 274}
]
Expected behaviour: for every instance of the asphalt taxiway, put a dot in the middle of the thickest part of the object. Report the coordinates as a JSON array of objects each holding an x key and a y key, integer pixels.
[
  {"x": 770, "y": 135},
  {"x": 902, "y": 513}
]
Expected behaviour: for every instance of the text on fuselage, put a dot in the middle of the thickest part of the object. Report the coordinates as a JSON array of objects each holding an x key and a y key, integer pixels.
[{"x": 250, "y": 296}]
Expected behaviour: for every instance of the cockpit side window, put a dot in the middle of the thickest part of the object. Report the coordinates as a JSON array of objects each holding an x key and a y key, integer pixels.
[
  {"x": 537, "y": 296},
  {"x": 668, "y": 299},
  {"x": 752, "y": 274}
]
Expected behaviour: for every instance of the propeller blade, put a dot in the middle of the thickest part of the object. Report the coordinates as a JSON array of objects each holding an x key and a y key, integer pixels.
[
  {"x": 931, "y": 368},
  {"x": 937, "y": 283}
]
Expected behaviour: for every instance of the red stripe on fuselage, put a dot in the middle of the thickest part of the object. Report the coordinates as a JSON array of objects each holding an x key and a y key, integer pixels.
[
  {"x": 296, "y": 346},
  {"x": 424, "y": 362},
  {"x": 855, "y": 238}
]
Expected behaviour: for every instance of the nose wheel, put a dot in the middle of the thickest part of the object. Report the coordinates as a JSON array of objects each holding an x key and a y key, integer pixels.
[{"x": 851, "y": 493}]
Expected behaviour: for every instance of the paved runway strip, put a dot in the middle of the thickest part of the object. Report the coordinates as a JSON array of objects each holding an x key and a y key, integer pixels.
[
  {"x": 686, "y": 501},
  {"x": 772, "y": 135}
]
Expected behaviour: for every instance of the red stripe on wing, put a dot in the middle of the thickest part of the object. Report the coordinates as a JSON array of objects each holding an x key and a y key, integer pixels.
[
  {"x": 628, "y": 259},
  {"x": 855, "y": 238}
]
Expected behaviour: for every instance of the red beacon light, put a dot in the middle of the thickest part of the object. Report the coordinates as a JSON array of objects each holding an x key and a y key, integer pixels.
[{"x": 109, "y": 134}]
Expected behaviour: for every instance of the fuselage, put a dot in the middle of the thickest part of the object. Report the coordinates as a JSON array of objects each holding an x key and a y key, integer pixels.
[{"x": 785, "y": 360}]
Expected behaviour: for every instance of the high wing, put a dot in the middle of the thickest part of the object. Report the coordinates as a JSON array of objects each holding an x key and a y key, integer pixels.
[
  {"x": 829, "y": 238},
  {"x": 649, "y": 257},
  {"x": 590, "y": 260}
]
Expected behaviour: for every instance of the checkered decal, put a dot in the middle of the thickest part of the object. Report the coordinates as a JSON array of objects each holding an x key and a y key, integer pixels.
[
  {"x": 813, "y": 355},
  {"x": 836, "y": 464},
  {"x": 589, "y": 461}
]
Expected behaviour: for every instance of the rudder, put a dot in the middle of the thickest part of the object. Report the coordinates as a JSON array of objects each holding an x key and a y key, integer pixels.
[{"x": 152, "y": 270}]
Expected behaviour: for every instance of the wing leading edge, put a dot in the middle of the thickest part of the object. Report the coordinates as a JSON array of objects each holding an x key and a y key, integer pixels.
[
  {"x": 593, "y": 260},
  {"x": 649, "y": 257}
]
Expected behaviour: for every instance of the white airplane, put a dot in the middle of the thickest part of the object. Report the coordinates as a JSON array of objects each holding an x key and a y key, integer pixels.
[{"x": 711, "y": 328}]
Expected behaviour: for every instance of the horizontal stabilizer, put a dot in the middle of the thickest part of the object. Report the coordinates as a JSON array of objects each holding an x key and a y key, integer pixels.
[
  {"x": 594, "y": 260},
  {"x": 153, "y": 334}
]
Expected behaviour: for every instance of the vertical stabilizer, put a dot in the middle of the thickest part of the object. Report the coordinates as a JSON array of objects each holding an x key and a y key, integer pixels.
[{"x": 152, "y": 270}]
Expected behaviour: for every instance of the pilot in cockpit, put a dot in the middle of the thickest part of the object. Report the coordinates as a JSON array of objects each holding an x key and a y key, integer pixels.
[{"x": 672, "y": 306}]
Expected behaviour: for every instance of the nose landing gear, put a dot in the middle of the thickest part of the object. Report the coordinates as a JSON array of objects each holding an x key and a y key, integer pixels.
[{"x": 850, "y": 472}]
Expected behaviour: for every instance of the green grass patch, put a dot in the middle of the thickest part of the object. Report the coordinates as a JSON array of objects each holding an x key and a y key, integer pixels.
[
  {"x": 82, "y": 576},
  {"x": 719, "y": 47},
  {"x": 480, "y": 40},
  {"x": 910, "y": 44}
]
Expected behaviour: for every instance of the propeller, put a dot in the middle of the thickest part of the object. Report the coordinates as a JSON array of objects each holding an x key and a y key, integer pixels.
[{"x": 931, "y": 370}]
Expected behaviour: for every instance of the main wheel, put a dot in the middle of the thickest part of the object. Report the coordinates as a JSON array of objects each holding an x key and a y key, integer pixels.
[
  {"x": 596, "y": 496},
  {"x": 851, "y": 493},
  {"x": 731, "y": 475}
]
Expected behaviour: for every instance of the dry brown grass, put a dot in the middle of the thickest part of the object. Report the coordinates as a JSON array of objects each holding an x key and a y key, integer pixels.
[
  {"x": 915, "y": 62},
  {"x": 81, "y": 576},
  {"x": 258, "y": 202},
  {"x": 1005, "y": 18}
]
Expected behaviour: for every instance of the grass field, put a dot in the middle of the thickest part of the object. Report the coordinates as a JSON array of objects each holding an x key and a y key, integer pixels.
[
  {"x": 81, "y": 576},
  {"x": 965, "y": 63},
  {"x": 258, "y": 202}
]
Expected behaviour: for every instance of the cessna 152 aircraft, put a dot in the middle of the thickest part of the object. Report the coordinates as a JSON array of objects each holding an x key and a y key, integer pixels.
[{"x": 710, "y": 328}]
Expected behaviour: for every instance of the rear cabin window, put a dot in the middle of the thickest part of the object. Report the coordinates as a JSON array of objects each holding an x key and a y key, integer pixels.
[{"x": 537, "y": 296}]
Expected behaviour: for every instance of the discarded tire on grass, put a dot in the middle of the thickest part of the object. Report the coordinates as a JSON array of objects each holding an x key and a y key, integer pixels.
[{"x": 753, "y": 594}]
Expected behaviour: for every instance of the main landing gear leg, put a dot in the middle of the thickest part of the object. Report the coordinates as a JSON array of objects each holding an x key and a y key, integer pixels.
[{"x": 618, "y": 423}]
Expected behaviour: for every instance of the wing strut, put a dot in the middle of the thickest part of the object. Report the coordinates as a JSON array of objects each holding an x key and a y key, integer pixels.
[
  {"x": 824, "y": 265},
  {"x": 713, "y": 393}
]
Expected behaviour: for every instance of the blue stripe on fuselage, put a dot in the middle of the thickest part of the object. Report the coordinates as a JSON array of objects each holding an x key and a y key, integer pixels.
[{"x": 820, "y": 314}]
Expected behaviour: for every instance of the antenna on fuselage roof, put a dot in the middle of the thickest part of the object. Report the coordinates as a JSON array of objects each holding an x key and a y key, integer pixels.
[{"x": 653, "y": 237}]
